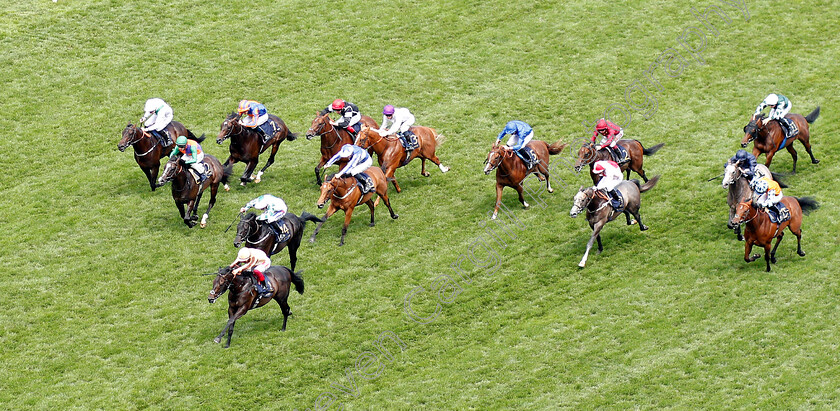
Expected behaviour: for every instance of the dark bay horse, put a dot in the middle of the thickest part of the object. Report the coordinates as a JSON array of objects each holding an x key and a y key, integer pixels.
[
  {"x": 767, "y": 136},
  {"x": 511, "y": 170},
  {"x": 246, "y": 144},
  {"x": 761, "y": 231},
  {"x": 242, "y": 295},
  {"x": 587, "y": 155},
  {"x": 147, "y": 149},
  {"x": 391, "y": 153},
  {"x": 344, "y": 194},
  {"x": 739, "y": 189},
  {"x": 185, "y": 190},
  {"x": 258, "y": 235},
  {"x": 599, "y": 212},
  {"x": 332, "y": 139}
]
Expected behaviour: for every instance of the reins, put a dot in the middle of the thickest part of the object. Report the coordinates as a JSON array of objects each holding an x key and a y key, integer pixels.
[{"x": 143, "y": 134}]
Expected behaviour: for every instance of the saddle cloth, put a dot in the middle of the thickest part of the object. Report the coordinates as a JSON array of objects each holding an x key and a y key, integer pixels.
[
  {"x": 268, "y": 129},
  {"x": 782, "y": 216},
  {"x": 623, "y": 155}
]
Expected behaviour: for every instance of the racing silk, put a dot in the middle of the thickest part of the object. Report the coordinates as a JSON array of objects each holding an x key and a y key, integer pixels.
[
  {"x": 256, "y": 115},
  {"x": 350, "y": 114},
  {"x": 614, "y": 133},
  {"x": 520, "y": 132},
  {"x": 612, "y": 175},
  {"x": 273, "y": 207},
  {"x": 357, "y": 157},
  {"x": 157, "y": 115},
  {"x": 260, "y": 261},
  {"x": 773, "y": 194},
  {"x": 191, "y": 152},
  {"x": 748, "y": 164},
  {"x": 779, "y": 110},
  {"x": 400, "y": 121}
]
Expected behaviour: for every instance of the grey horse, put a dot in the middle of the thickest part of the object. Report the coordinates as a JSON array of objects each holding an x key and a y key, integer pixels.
[{"x": 599, "y": 212}]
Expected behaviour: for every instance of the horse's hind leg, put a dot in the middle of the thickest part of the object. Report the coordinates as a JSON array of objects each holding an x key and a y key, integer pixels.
[
  {"x": 767, "y": 255},
  {"x": 370, "y": 205},
  {"x": 384, "y": 196},
  {"x": 249, "y": 169},
  {"x": 798, "y": 234},
  {"x": 433, "y": 158},
  {"x": 423, "y": 171},
  {"x": 773, "y": 252},
  {"x": 518, "y": 189},
  {"x": 213, "y": 190},
  {"x": 638, "y": 217},
  {"x": 269, "y": 162},
  {"x": 284, "y": 306},
  {"x": 293, "y": 247},
  {"x": 792, "y": 152},
  {"x": 807, "y": 143}
]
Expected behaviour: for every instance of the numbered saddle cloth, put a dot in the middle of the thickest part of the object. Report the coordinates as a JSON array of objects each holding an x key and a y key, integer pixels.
[
  {"x": 780, "y": 214},
  {"x": 621, "y": 155},
  {"x": 364, "y": 182},
  {"x": 790, "y": 128},
  {"x": 528, "y": 156},
  {"x": 409, "y": 140},
  {"x": 282, "y": 230},
  {"x": 268, "y": 129}
]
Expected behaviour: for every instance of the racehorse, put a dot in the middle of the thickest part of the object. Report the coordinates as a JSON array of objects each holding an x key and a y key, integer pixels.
[
  {"x": 243, "y": 297},
  {"x": 332, "y": 138},
  {"x": 588, "y": 155},
  {"x": 767, "y": 136},
  {"x": 761, "y": 231},
  {"x": 511, "y": 170},
  {"x": 185, "y": 190},
  {"x": 343, "y": 194},
  {"x": 259, "y": 235},
  {"x": 599, "y": 212},
  {"x": 246, "y": 144},
  {"x": 391, "y": 153},
  {"x": 147, "y": 149},
  {"x": 739, "y": 189}
]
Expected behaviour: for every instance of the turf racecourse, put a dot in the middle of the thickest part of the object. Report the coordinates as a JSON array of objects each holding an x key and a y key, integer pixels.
[{"x": 102, "y": 301}]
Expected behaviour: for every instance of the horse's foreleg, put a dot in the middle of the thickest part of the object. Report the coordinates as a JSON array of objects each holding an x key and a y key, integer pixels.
[
  {"x": 269, "y": 162},
  {"x": 370, "y": 205},
  {"x": 318, "y": 170},
  {"x": 773, "y": 253},
  {"x": 518, "y": 189},
  {"x": 738, "y": 232},
  {"x": 769, "y": 158},
  {"x": 748, "y": 245},
  {"x": 347, "y": 214},
  {"x": 239, "y": 313},
  {"x": 330, "y": 212},
  {"x": 596, "y": 232},
  {"x": 249, "y": 169},
  {"x": 213, "y": 190},
  {"x": 389, "y": 173},
  {"x": 792, "y": 152},
  {"x": 180, "y": 209},
  {"x": 499, "y": 189},
  {"x": 151, "y": 175},
  {"x": 600, "y": 247}
]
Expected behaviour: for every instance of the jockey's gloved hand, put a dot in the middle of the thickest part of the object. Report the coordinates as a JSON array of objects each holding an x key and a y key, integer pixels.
[{"x": 243, "y": 209}]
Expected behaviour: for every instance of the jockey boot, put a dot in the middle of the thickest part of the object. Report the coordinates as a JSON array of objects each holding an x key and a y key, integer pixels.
[
  {"x": 277, "y": 226},
  {"x": 266, "y": 286},
  {"x": 259, "y": 287},
  {"x": 407, "y": 157},
  {"x": 615, "y": 200},
  {"x": 167, "y": 141},
  {"x": 614, "y": 153}
]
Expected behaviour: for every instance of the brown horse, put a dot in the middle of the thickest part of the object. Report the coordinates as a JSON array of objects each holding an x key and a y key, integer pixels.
[
  {"x": 147, "y": 149},
  {"x": 185, "y": 190},
  {"x": 588, "y": 155},
  {"x": 761, "y": 231},
  {"x": 246, "y": 144},
  {"x": 332, "y": 139},
  {"x": 767, "y": 136},
  {"x": 243, "y": 296},
  {"x": 391, "y": 152},
  {"x": 511, "y": 170},
  {"x": 599, "y": 212},
  {"x": 344, "y": 194}
]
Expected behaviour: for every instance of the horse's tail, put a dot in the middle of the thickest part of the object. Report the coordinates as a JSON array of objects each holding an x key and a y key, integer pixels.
[
  {"x": 652, "y": 150},
  {"x": 810, "y": 118},
  {"x": 807, "y": 204},
  {"x": 304, "y": 217},
  {"x": 439, "y": 138},
  {"x": 297, "y": 280},
  {"x": 192, "y": 136},
  {"x": 291, "y": 136},
  {"x": 557, "y": 147},
  {"x": 226, "y": 173},
  {"x": 646, "y": 186},
  {"x": 779, "y": 179}
]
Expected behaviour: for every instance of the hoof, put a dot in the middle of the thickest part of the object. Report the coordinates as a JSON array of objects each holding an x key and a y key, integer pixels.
[
  {"x": 217, "y": 340},
  {"x": 371, "y": 225},
  {"x": 257, "y": 179},
  {"x": 801, "y": 253},
  {"x": 312, "y": 240},
  {"x": 526, "y": 206},
  {"x": 426, "y": 174},
  {"x": 550, "y": 190},
  {"x": 242, "y": 184},
  {"x": 632, "y": 222},
  {"x": 444, "y": 169},
  {"x": 815, "y": 162},
  {"x": 581, "y": 265},
  {"x": 494, "y": 216},
  {"x": 643, "y": 227},
  {"x": 773, "y": 260},
  {"x": 740, "y": 238},
  {"x": 227, "y": 187},
  {"x": 396, "y": 216}
]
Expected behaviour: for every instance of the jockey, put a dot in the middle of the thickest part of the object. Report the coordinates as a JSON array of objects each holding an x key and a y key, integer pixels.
[
  {"x": 520, "y": 135},
  {"x": 399, "y": 121},
  {"x": 610, "y": 133},
  {"x": 191, "y": 155},
  {"x": 255, "y": 260},
  {"x": 780, "y": 106},
  {"x": 746, "y": 161},
  {"x": 350, "y": 115},
  {"x": 611, "y": 176},
  {"x": 253, "y": 115},
  {"x": 358, "y": 161},
  {"x": 769, "y": 194},
  {"x": 273, "y": 211},
  {"x": 156, "y": 117}
]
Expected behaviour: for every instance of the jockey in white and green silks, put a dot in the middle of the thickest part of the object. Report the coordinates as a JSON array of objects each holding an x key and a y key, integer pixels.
[
  {"x": 780, "y": 106},
  {"x": 273, "y": 208}
]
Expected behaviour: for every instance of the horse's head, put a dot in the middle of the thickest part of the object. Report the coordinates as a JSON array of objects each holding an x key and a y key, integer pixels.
[
  {"x": 582, "y": 199},
  {"x": 318, "y": 126},
  {"x": 494, "y": 157},
  {"x": 229, "y": 127},
  {"x": 363, "y": 139},
  {"x": 742, "y": 212},
  {"x": 173, "y": 167},
  {"x": 327, "y": 189},
  {"x": 223, "y": 281},
  {"x": 586, "y": 155},
  {"x": 731, "y": 173},
  {"x": 130, "y": 135},
  {"x": 753, "y": 129},
  {"x": 245, "y": 227}
]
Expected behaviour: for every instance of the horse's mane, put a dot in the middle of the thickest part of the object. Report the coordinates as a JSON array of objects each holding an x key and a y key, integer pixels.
[
  {"x": 232, "y": 115},
  {"x": 329, "y": 177},
  {"x": 251, "y": 215}
]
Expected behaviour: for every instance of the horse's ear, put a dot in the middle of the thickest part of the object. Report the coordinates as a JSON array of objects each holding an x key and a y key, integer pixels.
[{"x": 581, "y": 188}]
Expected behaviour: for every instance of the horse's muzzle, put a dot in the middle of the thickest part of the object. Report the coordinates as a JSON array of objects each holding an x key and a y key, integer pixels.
[
  {"x": 730, "y": 226},
  {"x": 573, "y": 214},
  {"x": 211, "y": 299},
  {"x": 577, "y": 169},
  {"x": 121, "y": 148},
  {"x": 321, "y": 205},
  {"x": 309, "y": 136},
  {"x": 486, "y": 172},
  {"x": 220, "y": 140},
  {"x": 744, "y": 144},
  {"x": 237, "y": 243}
]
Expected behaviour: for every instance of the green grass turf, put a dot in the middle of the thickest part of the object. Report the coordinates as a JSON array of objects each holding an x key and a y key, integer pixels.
[{"x": 101, "y": 299}]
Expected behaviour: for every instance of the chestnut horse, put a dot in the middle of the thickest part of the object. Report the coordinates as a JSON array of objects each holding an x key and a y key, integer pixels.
[
  {"x": 242, "y": 296},
  {"x": 588, "y": 155},
  {"x": 511, "y": 170},
  {"x": 761, "y": 231},
  {"x": 332, "y": 139},
  {"x": 344, "y": 194},
  {"x": 147, "y": 148},
  {"x": 256, "y": 234},
  {"x": 738, "y": 185},
  {"x": 767, "y": 136},
  {"x": 599, "y": 212},
  {"x": 185, "y": 190},
  {"x": 246, "y": 144},
  {"x": 391, "y": 153}
]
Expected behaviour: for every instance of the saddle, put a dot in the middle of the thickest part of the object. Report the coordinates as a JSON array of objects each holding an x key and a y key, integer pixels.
[
  {"x": 365, "y": 183},
  {"x": 528, "y": 156},
  {"x": 409, "y": 140},
  {"x": 790, "y": 129},
  {"x": 268, "y": 129},
  {"x": 778, "y": 213},
  {"x": 197, "y": 177},
  {"x": 282, "y": 232},
  {"x": 620, "y": 155},
  {"x": 162, "y": 135}
]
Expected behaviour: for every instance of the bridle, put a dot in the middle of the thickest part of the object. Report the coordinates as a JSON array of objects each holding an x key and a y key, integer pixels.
[
  {"x": 143, "y": 134},
  {"x": 320, "y": 132},
  {"x": 247, "y": 236},
  {"x": 232, "y": 123},
  {"x": 221, "y": 292},
  {"x": 750, "y": 208},
  {"x": 502, "y": 153}
]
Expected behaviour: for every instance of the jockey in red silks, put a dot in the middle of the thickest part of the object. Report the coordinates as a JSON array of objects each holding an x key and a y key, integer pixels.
[
  {"x": 255, "y": 260},
  {"x": 611, "y": 133}
]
